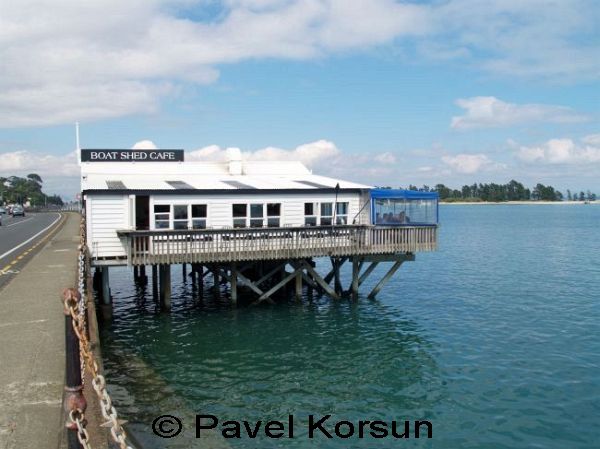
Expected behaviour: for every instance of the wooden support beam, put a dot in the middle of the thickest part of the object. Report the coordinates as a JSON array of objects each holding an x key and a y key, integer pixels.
[
  {"x": 299, "y": 285},
  {"x": 309, "y": 281},
  {"x": 105, "y": 286},
  {"x": 319, "y": 280},
  {"x": 269, "y": 274},
  {"x": 386, "y": 278},
  {"x": 355, "y": 273},
  {"x": 183, "y": 272},
  {"x": 267, "y": 295},
  {"x": 216, "y": 281},
  {"x": 233, "y": 282},
  {"x": 337, "y": 282},
  {"x": 367, "y": 272},
  {"x": 155, "y": 282},
  {"x": 165, "y": 286},
  {"x": 249, "y": 284}
]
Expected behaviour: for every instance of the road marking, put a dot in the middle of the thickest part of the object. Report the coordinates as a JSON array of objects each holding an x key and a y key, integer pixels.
[
  {"x": 42, "y": 240},
  {"x": 61, "y": 250},
  {"x": 2, "y": 256},
  {"x": 19, "y": 222}
]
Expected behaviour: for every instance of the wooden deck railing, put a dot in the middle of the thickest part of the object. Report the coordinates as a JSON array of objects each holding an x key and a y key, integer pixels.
[{"x": 231, "y": 245}]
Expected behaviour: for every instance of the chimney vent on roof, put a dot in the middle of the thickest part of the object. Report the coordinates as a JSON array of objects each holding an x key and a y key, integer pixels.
[{"x": 234, "y": 157}]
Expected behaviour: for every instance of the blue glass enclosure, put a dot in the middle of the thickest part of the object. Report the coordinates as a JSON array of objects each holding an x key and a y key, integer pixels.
[{"x": 391, "y": 207}]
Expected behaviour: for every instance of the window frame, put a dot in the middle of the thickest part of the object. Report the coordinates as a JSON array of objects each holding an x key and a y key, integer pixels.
[
  {"x": 251, "y": 220},
  {"x": 170, "y": 219}
]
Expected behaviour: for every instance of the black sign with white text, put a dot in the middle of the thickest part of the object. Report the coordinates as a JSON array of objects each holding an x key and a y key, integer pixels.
[{"x": 131, "y": 155}]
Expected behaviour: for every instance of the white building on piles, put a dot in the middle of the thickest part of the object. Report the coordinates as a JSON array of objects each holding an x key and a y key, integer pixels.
[{"x": 150, "y": 207}]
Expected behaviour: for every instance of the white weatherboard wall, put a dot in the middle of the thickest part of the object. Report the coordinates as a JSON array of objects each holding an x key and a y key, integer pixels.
[
  {"x": 219, "y": 207},
  {"x": 105, "y": 214}
]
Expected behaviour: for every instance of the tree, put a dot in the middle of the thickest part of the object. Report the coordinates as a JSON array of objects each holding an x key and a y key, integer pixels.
[
  {"x": 443, "y": 191},
  {"x": 569, "y": 196},
  {"x": 35, "y": 177},
  {"x": 581, "y": 196}
]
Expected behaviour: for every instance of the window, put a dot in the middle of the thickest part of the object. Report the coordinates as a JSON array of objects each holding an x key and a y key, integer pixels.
[
  {"x": 256, "y": 215},
  {"x": 341, "y": 213},
  {"x": 162, "y": 216},
  {"x": 180, "y": 216},
  {"x": 404, "y": 211},
  {"x": 199, "y": 216},
  {"x": 326, "y": 214},
  {"x": 240, "y": 212},
  {"x": 273, "y": 215},
  {"x": 310, "y": 217},
  {"x": 257, "y": 218}
]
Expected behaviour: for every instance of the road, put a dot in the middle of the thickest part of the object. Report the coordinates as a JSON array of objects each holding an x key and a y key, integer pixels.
[{"x": 18, "y": 239}]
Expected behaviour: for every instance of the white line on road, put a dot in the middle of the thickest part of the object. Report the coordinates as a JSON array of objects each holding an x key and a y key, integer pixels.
[
  {"x": 19, "y": 222},
  {"x": 2, "y": 256}
]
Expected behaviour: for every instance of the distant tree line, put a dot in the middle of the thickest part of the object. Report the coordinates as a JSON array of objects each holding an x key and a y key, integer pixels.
[
  {"x": 512, "y": 191},
  {"x": 17, "y": 190}
]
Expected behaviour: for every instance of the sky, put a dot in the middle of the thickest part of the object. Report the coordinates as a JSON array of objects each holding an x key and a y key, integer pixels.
[{"x": 383, "y": 92}]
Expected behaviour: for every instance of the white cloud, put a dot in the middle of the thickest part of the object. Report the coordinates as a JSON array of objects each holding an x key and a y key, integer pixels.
[
  {"x": 309, "y": 154},
  {"x": 563, "y": 151},
  {"x": 62, "y": 172},
  {"x": 18, "y": 162},
  {"x": 592, "y": 139},
  {"x": 483, "y": 112},
  {"x": 144, "y": 145},
  {"x": 386, "y": 158},
  {"x": 470, "y": 163},
  {"x": 64, "y": 60}
]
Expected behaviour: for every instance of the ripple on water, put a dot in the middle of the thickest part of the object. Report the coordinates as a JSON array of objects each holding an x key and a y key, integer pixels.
[{"x": 494, "y": 338}]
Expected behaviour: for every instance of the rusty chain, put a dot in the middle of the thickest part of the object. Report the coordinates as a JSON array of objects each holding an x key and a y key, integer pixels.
[{"x": 75, "y": 306}]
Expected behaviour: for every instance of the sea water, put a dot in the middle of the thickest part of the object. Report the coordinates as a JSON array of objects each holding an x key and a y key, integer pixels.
[{"x": 494, "y": 339}]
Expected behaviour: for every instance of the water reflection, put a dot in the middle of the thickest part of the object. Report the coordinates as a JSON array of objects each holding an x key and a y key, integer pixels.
[{"x": 361, "y": 360}]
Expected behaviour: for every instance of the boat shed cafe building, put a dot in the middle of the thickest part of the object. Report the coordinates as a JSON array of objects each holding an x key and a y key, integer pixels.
[{"x": 151, "y": 207}]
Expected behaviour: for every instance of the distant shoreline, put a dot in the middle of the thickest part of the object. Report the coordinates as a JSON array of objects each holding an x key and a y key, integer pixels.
[{"x": 520, "y": 203}]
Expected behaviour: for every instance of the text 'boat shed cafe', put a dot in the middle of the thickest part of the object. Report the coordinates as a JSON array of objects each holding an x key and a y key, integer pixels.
[{"x": 245, "y": 224}]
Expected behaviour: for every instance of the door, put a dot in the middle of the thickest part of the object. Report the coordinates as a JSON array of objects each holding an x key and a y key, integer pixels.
[{"x": 142, "y": 212}]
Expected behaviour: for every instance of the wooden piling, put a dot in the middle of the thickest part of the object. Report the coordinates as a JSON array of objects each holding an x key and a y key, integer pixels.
[
  {"x": 216, "y": 281},
  {"x": 355, "y": 273},
  {"x": 105, "y": 286},
  {"x": 234, "y": 283},
  {"x": 165, "y": 286},
  {"x": 298, "y": 285}
]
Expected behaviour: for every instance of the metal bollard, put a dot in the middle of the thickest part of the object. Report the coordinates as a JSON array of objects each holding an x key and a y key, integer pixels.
[{"x": 73, "y": 399}]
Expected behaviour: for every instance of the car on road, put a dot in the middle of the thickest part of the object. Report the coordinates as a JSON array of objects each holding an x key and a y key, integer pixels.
[
  {"x": 0, "y": 219},
  {"x": 2, "y": 211},
  {"x": 18, "y": 211}
]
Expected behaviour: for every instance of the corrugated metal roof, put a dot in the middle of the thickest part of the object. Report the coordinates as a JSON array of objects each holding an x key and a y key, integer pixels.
[
  {"x": 179, "y": 185},
  {"x": 313, "y": 184},
  {"x": 115, "y": 185},
  {"x": 238, "y": 184},
  {"x": 209, "y": 176}
]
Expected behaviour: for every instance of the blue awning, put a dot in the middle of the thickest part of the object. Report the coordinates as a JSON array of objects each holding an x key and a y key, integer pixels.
[{"x": 403, "y": 194}]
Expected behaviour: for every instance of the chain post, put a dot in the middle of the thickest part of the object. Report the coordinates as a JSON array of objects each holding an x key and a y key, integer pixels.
[
  {"x": 74, "y": 399},
  {"x": 75, "y": 307}
]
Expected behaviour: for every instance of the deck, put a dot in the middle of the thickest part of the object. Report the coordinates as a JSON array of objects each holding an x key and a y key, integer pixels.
[{"x": 243, "y": 244}]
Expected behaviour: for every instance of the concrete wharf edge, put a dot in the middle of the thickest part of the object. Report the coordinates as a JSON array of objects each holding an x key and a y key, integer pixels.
[{"x": 32, "y": 343}]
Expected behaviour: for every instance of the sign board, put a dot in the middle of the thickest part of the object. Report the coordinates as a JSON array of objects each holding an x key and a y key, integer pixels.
[{"x": 131, "y": 155}]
